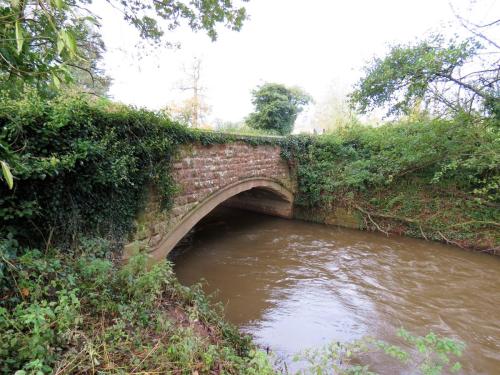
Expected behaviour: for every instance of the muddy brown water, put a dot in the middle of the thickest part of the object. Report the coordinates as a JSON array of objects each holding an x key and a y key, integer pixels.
[{"x": 294, "y": 285}]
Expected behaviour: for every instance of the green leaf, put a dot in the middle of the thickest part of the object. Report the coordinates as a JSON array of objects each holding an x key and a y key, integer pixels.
[
  {"x": 56, "y": 80},
  {"x": 7, "y": 174},
  {"x": 70, "y": 41},
  {"x": 456, "y": 367},
  {"x": 59, "y": 4},
  {"x": 60, "y": 44},
  {"x": 14, "y": 4},
  {"x": 19, "y": 37},
  {"x": 92, "y": 20}
]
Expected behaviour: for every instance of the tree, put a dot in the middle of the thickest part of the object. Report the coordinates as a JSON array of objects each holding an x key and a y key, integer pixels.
[
  {"x": 334, "y": 112},
  {"x": 187, "y": 112},
  {"x": 86, "y": 75},
  {"x": 195, "y": 106},
  {"x": 277, "y": 107},
  {"x": 447, "y": 75},
  {"x": 42, "y": 40}
]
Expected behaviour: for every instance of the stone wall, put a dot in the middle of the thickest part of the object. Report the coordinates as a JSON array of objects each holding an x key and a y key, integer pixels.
[
  {"x": 203, "y": 173},
  {"x": 202, "y": 170}
]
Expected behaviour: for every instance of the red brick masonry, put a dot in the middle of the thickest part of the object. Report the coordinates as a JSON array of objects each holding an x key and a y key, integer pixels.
[
  {"x": 202, "y": 170},
  {"x": 207, "y": 176}
]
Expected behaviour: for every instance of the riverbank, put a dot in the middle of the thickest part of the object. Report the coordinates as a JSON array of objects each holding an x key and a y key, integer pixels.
[
  {"x": 81, "y": 168},
  {"x": 431, "y": 179},
  {"x": 85, "y": 313}
]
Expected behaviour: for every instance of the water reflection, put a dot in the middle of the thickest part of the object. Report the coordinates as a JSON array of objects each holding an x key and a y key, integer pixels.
[{"x": 294, "y": 285}]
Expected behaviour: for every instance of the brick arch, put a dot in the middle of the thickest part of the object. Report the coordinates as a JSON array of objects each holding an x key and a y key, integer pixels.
[{"x": 189, "y": 220}]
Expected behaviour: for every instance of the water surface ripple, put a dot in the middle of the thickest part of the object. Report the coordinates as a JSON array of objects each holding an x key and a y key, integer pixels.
[{"x": 295, "y": 285}]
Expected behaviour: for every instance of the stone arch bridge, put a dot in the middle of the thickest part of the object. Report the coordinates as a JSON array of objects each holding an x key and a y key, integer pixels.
[{"x": 234, "y": 174}]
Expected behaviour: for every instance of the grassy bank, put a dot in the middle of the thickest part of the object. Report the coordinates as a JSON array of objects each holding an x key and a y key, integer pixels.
[{"x": 434, "y": 179}]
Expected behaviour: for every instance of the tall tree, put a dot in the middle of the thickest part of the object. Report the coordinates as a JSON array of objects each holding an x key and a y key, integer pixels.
[
  {"x": 277, "y": 107},
  {"x": 195, "y": 105},
  {"x": 443, "y": 75}
]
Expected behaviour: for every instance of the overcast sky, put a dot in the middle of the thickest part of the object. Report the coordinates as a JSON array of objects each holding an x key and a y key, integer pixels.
[{"x": 319, "y": 45}]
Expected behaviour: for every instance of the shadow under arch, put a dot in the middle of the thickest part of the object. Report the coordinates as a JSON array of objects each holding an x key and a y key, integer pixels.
[{"x": 189, "y": 220}]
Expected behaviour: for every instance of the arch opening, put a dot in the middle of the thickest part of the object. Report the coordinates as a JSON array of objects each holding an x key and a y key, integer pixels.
[
  {"x": 260, "y": 195},
  {"x": 261, "y": 200}
]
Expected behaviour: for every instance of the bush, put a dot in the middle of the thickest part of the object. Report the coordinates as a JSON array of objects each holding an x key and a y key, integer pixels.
[
  {"x": 80, "y": 166},
  {"x": 81, "y": 313},
  {"x": 439, "y": 177}
]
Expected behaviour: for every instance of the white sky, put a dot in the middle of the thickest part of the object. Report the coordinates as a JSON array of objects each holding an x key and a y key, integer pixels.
[{"x": 319, "y": 45}]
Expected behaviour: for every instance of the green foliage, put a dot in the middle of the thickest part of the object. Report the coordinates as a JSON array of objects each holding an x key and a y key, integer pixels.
[
  {"x": 431, "y": 355},
  {"x": 81, "y": 313},
  {"x": 203, "y": 15},
  {"x": 434, "y": 352},
  {"x": 276, "y": 107},
  {"x": 404, "y": 169},
  {"x": 46, "y": 43},
  {"x": 428, "y": 71},
  {"x": 80, "y": 166}
]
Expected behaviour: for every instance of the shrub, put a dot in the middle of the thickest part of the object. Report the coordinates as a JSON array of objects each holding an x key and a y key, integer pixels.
[
  {"x": 80, "y": 166},
  {"x": 77, "y": 313}
]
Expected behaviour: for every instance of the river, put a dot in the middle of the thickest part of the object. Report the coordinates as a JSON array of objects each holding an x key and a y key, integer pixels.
[{"x": 294, "y": 285}]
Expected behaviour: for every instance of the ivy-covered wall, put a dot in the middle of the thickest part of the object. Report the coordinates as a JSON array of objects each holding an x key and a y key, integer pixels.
[{"x": 82, "y": 168}]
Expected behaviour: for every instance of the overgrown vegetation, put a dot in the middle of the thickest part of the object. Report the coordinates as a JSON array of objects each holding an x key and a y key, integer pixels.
[
  {"x": 80, "y": 169},
  {"x": 83, "y": 313},
  {"x": 80, "y": 166},
  {"x": 435, "y": 179}
]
